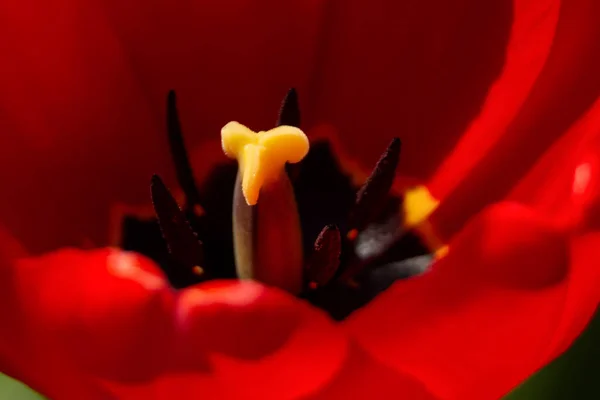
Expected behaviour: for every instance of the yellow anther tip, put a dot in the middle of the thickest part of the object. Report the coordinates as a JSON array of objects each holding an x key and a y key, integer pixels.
[
  {"x": 198, "y": 270},
  {"x": 262, "y": 156},
  {"x": 418, "y": 205}
]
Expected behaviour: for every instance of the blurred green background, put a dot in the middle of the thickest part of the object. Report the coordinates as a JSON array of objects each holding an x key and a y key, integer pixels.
[{"x": 573, "y": 376}]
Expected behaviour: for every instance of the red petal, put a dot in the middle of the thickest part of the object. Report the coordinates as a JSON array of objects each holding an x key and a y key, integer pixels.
[
  {"x": 84, "y": 89},
  {"x": 103, "y": 310},
  {"x": 208, "y": 51},
  {"x": 568, "y": 174},
  {"x": 279, "y": 347},
  {"x": 261, "y": 343},
  {"x": 73, "y": 117},
  {"x": 582, "y": 296},
  {"x": 107, "y": 319},
  {"x": 566, "y": 87},
  {"x": 492, "y": 312},
  {"x": 364, "y": 378},
  {"x": 27, "y": 354},
  {"x": 421, "y": 71},
  {"x": 533, "y": 30}
]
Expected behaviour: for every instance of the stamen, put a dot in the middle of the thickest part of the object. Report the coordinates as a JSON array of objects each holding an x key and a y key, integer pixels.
[
  {"x": 183, "y": 168},
  {"x": 418, "y": 205},
  {"x": 262, "y": 155},
  {"x": 289, "y": 114},
  {"x": 325, "y": 258},
  {"x": 184, "y": 246},
  {"x": 373, "y": 194}
]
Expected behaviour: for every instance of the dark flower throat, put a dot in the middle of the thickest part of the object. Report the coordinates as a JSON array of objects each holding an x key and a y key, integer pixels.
[{"x": 354, "y": 241}]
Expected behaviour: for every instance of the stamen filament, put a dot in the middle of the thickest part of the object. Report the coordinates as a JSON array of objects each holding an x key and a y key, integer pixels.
[{"x": 184, "y": 246}]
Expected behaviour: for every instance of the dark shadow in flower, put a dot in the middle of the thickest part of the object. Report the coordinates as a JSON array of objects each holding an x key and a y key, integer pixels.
[
  {"x": 428, "y": 72},
  {"x": 325, "y": 196},
  {"x": 369, "y": 226},
  {"x": 341, "y": 300},
  {"x": 213, "y": 227}
]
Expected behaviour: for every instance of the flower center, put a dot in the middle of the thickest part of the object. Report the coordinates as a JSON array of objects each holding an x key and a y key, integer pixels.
[{"x": 302, "y": 229}]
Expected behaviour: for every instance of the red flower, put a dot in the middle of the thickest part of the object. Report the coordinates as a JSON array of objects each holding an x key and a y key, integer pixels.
[
  {"x": 519, "y": 127},
  {"x": 105, "y": 324}
]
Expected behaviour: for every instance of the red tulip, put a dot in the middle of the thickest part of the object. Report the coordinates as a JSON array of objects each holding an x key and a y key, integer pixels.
[{"x": 497, "y": 107}]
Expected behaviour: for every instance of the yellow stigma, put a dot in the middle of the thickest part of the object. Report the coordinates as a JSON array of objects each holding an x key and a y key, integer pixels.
[{"x": 262, "y": 155}]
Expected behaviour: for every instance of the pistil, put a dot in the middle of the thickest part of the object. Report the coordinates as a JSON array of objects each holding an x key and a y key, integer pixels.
[{"x": 266, "y": 227}]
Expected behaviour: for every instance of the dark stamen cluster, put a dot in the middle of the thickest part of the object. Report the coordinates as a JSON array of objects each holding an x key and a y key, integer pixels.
[
  {"x": 185, "y": 248},
  {"x": 333, "y": 261}
]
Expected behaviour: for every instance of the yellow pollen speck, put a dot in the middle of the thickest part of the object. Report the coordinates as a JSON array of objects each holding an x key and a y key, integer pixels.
[
  {"x": 352, "y": 235},
  {"x": 418, "y": 205},
  {"x": 262, "y": 155},
  {"x": 198, "y": 270},
  {"x": 441, "y": 252}
]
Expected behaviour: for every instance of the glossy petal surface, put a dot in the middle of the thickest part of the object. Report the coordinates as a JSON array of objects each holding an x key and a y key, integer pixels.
[
  {"x": 564, "y": 90},
  {"x": 510, "y": 295},
  {"x": 107, "y": 321}
]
